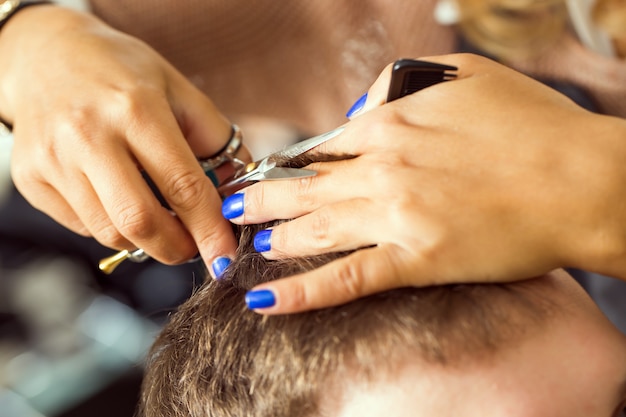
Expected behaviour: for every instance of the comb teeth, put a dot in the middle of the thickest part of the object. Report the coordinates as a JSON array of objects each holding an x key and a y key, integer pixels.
[
  {"x": 418, "y": 80},
  {"x": 409, "y": 76}
]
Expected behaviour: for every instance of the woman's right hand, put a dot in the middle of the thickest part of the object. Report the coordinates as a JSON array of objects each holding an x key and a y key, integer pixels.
[{"x": 92, "y": 106}]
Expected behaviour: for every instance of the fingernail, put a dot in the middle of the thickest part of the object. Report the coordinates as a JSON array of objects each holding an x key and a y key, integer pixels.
[
  {"x": 262, "y": 240},
  {"x": 219, "y": 265},
  {"x": 260, "y": 299},
  {"x": 357, "y": 106},
  {"x": 232, "y": 206}
]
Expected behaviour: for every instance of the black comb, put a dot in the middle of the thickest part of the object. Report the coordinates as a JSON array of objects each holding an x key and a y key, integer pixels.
[{"x": 411, "y": 75}]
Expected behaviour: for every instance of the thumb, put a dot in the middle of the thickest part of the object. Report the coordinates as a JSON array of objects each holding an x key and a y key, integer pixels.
[
  {"x": 375, "y": 96},
  {"x": 205, "y": 128},
  {"x": 466, "y": 64}
]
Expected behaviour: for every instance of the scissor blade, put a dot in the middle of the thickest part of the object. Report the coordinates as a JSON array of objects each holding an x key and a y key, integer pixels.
[
  {"x": 307, "y": 144},
  {"x": 281, "y": 173}
]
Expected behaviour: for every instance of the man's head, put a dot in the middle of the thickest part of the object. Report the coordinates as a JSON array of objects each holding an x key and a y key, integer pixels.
[{"x": 533, "y": 348}]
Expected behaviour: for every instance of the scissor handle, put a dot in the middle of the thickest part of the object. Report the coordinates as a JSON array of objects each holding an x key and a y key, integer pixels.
[{"x": 411, "y": 75}]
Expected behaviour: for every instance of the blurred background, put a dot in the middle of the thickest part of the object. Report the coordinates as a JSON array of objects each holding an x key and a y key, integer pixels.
[{"x": 73, "y": 340}]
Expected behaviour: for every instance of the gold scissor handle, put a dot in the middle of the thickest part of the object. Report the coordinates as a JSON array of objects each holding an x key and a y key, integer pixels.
[{"x": 108, "y": 265}]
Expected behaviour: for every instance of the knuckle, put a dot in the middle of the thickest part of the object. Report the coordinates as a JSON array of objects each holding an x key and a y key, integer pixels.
[
  {"x": 320, "y": 231},
  {"x": 468, "y": 59},
  {"x": 385, "y": 165},
  {"x": 254, "y": 198},
  {"x": 109, "y": 236},
  {"x": 303, "y": 189},
  {"x": 209, "y": 237},
  {"x": 386, "y": 173},
  {"x": 79, "y": 228},
  {"x": 280, "y": 238},
  {"x": 184, "y": 189},
  {"x": 378, "y": 127},
  {"x": 128, "y": 101},
  {"x": 174, "y": 257},
  {"x": 75, "y": 131},
  {"x": 135, "y": 222},
  {"x": 134, "y": 101},
  {"x": 298, "y": 298},
  {"x": 24, "y": 176},
  {"x": 348, "y": 279},
  {"x": 77, "y": 124}
]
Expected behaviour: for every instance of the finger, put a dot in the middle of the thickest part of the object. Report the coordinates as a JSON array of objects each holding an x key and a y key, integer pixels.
[
  {"x": 345, "y": 226},
  {"x": 44, "y": 196},
  {"x": 203, "y": 126},
  {"x": 163, "y": 152},
  {"x": 206, "y": 130},
  {"x": 123, "y": 213},
  {"x": 382, "y": 174},
  {"x": 382, "y": 130},
  {"x": 466, "y": 64},
  {"x": 269, "y": 200},
  {"x": 362, "y": 273},
  {"x": 228, "y": 170},
  {"x": 350, "y": 141},
  {"x": 377, "y": 93}
]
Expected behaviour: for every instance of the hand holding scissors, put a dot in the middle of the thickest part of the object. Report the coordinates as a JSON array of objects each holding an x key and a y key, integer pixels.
[{"x": 409, "y": 76}]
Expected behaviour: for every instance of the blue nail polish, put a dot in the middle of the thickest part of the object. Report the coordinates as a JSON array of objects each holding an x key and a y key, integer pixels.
[
  {"x": 357, "y": 106},
  {"x": 260, "y": 299},
  {"x": 219, "y": 265},
  {"x": 262, "y": 240},
  {"x": 232, "y": 206}
]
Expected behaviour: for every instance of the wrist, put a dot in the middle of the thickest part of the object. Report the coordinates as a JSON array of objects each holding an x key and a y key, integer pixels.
[
  {"x": 601, "y": 244},
  {"x": 22, "y": 38},
  {"x": 11, "y": 41}
]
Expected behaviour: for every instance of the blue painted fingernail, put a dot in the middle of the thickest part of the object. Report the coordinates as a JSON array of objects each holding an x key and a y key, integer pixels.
[
  {"x": 357, "y": 106},
  {"x": 260, "y": 299},
  {"x": 262, "y": 240},
  {"x": 232, "y": 206},
  {"x": 219, "y": 265}
]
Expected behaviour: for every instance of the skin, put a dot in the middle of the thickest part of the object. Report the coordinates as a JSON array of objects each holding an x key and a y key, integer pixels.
[
  {"x": 464, "y": 181},
  {"x": 79, "y": 140},
  {"x": 575, "y": 366},
  {"x": 104, "y": 104}
]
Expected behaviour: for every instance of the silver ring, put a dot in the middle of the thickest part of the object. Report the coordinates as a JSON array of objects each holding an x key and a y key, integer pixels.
[{"x": 227, "y": 153}]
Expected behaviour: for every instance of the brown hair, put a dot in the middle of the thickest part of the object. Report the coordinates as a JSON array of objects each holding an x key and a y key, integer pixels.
[{"x": 217, "y": 358}]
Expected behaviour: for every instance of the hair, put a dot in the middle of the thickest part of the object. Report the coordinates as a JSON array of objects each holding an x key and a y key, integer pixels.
[
  {"x": 520, "y": 29},
  {"x": 216, "y": 358}
]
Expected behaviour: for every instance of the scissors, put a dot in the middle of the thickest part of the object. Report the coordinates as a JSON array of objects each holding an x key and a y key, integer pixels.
[
  {"x": 407, "y": 77},
  {"x": 267, "y": 169}
]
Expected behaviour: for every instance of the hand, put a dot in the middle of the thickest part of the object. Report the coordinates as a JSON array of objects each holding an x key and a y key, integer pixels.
[
  {"x": 490, "y": 177},
  {"x": 90, "y": 107}
]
